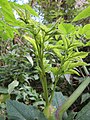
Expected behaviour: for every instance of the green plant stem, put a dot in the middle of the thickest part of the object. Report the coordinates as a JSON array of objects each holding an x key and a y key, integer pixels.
[
  {"x": 73, "y": 97},
  {"x": 42, "y": 74},
  {"x": 52, "y": 94}
]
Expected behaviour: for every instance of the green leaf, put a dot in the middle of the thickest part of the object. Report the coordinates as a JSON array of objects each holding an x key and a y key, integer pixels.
[
  {"x": 86, "y": 31},
  {"x": 58, "y": 99},
  {"x": 85, "y": 97},
  {"x": 84, "y": 14},
  {"x": 57, "y": 52},
  {"x": 7, "y": 11},
  {"x": 77, "y": 55},
  {"x": 71, "y": 71},
  {"x": 29, "y": 58},
  {"x": 65, "y": 66},
  {"x": 32, "y": 41},
  {"x": 84, "y": 114},
  {"x": 75, "y": 44},
  {"x": 23, "y": 7},
  {"x": 12, "y": 85},
  {"x": 3, "y": 90},
  {"x": 73, "y": 65},
  {"x": 88, "y": 43},
  {"x": 32, "y": 11},
  {"x": 66, "y": 28},
  {"x": 20, "y": 111}
]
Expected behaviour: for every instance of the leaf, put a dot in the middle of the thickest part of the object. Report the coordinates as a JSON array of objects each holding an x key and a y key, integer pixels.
[
  {"x": 77, "y": 55},
  {"x": 86, "y": 31},
  {"x": 57, "y": 52},
  {"x": 12, "y": 85},
  {"x": 88, "y": 43},
  {"x": 57, "y": 102},
  {"x": 20, "y": 111},
  {"x": 85, "y": 97},
  {"x": 32, "y": 11},
  {"x": 84, "y": 114},
  {"x": 32, "y": 41},
  {"x": 24, "y": 7},
  {"x": 84, "y": 14},
  {"x": 7, "y": 11},
  {"x": 71, "y": 71},
  {"x": 29, "y": 58},
  {"x": 67, "y": 77},
  {"x": 75, "y": 44},
  {"x": 58, "y": 99},
  {"x": 66, "y": 28},
  {"x": 4, "y": 97},
  {"x": 73, "y": 65},
  {"x": 3, "y": 90}
]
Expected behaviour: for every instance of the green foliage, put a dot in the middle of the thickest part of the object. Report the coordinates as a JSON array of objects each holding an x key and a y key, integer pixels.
[
  {"x": 86, "y": 31},
  {"x": 54, "y": 49},
  {"x": 20, "y": 111},
  {"x": 82, "y": 15},
  {"x": 16, "y": 64},
  {"x": 84, "y": 114}
]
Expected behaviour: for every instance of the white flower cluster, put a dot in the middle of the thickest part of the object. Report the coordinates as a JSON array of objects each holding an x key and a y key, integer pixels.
[{"x": 80, "y": 3}]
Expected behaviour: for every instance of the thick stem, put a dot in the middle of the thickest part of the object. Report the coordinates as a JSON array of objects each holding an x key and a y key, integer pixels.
[
  {"x": 42, "y": 74},
  {"x": 73, "y": 97}
]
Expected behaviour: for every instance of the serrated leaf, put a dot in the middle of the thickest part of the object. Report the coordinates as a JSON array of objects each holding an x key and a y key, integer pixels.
[
  {"x": 20, "y": 111},
  {"x": 84, "y": 114},
  {"x": 84, "y": 14},
  {"x": 12, "y": 85}
]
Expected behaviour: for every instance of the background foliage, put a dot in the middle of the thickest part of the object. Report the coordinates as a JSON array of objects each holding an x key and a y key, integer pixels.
[{"x": 39, "y": 58}]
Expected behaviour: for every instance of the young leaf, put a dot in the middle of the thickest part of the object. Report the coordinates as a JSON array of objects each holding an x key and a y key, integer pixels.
[
  {"x": 66, "y": 28},
  {"x": 73, "y": 65},
  {"x": 71, "y": 71},
  {"x": 76, "y": 55},
  {"x": 32, "y": 41}
]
